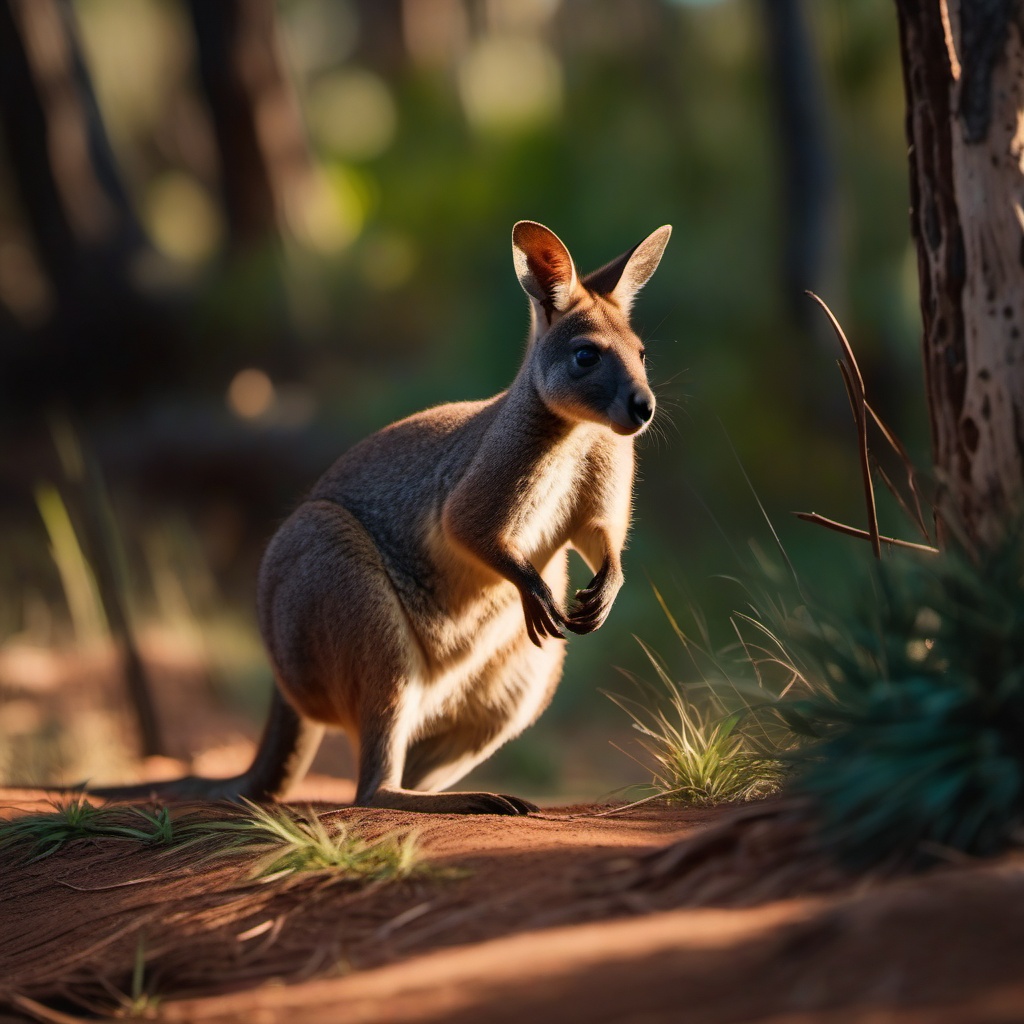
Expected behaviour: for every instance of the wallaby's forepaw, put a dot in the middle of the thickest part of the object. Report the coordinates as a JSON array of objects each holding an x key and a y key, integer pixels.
[
  {"x": 593, "y": 604},
  {"x": 543, "y": 618}
]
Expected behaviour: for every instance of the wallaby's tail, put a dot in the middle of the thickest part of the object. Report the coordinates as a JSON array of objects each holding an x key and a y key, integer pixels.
[{"x": 286, "y": 749}]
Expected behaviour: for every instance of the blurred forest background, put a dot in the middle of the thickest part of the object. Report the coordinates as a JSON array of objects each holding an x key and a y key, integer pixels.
[{"x": 236, "y": 237}]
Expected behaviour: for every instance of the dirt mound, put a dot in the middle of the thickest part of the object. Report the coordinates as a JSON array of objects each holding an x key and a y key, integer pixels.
[{"x": 653, "y": 914}]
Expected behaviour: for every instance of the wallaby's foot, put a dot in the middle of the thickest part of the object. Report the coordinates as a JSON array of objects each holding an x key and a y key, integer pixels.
[{"x": 448, "y": 803}]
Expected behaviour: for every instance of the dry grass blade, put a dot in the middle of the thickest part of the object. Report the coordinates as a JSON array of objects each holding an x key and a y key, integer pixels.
[
  {"x": 44, "y": 1014},
  {"x": 775, "y": 655},
  {"x": 896, "y": 444},
  {"x": 905, "y": 508},
  {"x": 854, "y": 381}
]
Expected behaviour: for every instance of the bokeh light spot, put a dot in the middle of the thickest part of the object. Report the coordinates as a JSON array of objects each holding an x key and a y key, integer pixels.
[
  {"x": 353, "y": 114},
  {"x": 388, "y": 261},
  {"x": 326, "y": 213},
  {"x": 181, "y": 217},
  {"x": 510, "y": 83},
  {"x": 250, "y": 394}
]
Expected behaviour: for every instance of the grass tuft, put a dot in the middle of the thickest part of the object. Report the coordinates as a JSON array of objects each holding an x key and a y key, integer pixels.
[
  {"x": 287, "y": 842},
  {"x": 283, "y": 841},
  {"x": 45, "y": 832},
  {"x": 709, "y": 742},
  {"x": 699, "y": 759}
]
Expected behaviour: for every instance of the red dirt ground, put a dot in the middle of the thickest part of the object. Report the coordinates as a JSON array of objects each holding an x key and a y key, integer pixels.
[{"x": 651, "y": 915}]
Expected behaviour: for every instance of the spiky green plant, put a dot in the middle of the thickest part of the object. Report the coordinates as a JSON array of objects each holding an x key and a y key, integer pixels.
[
  {"x": 705, "y": 742},
  {"x": 697, "y": 758},
  {"x": 43, "y": 833},
  {"x": 286, "y": 842},
  {"x": 918, "y": 738}
]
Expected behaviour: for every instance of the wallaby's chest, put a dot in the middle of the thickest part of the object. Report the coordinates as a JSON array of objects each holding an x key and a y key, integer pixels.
[{"x": 548, "y": 504}]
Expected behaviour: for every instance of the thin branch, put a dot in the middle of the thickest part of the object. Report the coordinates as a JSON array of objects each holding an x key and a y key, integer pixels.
[{"x": 853, "y": 531}]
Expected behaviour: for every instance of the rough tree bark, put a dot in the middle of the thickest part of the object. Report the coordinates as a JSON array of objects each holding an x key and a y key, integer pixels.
[{"x": 963, "y": 63}]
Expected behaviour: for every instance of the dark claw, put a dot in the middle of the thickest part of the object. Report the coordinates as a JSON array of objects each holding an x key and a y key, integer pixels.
[
  {"x": 589, "y": 614},
  {"x": 592, "y": 604},
  {"x": 542, "y": 617},
  {"x": 582, "y": 626},
  {"x": 522, "y": 806},
  {"x": 498, "y": 803},
  {"x": 532, "y": 632}
]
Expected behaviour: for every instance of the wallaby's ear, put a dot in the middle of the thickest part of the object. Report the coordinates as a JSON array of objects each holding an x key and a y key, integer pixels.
[
  {"x": 543, "y": 265},
  {"x": 621, "y": 279}
]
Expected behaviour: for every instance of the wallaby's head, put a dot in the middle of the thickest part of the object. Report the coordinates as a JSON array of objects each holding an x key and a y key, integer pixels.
[{"x": 584, "y": 359}]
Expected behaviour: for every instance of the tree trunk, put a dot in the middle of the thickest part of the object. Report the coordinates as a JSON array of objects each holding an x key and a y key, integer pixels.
[
  {"x": 963, "y": 63},
  {"x": 261, "y": 139},
  {"x": 105, "y": 276},
  {"x": 92, "y": 247}
]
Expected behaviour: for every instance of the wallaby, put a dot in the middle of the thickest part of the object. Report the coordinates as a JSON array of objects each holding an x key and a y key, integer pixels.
[{"x": 416, "y": 598}]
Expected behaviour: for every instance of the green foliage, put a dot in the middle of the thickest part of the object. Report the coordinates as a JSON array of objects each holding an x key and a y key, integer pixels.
[{"x": 918, "y": 733}]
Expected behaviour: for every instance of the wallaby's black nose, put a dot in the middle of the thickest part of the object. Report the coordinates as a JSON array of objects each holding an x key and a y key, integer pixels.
[{"x": 641, "y": 409}]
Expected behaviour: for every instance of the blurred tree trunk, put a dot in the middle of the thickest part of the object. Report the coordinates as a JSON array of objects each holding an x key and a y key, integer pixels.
[
  {"x": 57, "y": 145},
  {"x": 381, "y": 35},
  {"x": 105, "y": 328},
  {"x": 809, "y": 226},
  {"x": 266, "y": 170},
  {"x": 264, "y": 158},
  {"x": 86, "y": 234},
  {"x": 963, "y": 63}
]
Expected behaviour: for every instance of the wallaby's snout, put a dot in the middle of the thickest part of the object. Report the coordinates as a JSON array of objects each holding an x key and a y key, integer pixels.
[
  {"x": 633, "y": 407},
  {"x": 641, "y": 408}
]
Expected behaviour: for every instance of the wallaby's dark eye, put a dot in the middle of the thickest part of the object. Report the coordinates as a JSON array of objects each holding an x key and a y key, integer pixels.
[
  {"x": 587, "y": 356},
  {"x": 643, "y": 356}
]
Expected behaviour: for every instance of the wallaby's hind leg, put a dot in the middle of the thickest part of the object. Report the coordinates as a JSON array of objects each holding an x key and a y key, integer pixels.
[
  {"x": 346, "y": 654},
  {"x": 287, "y": 748},
  {"x": 389, "y": 716}
]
